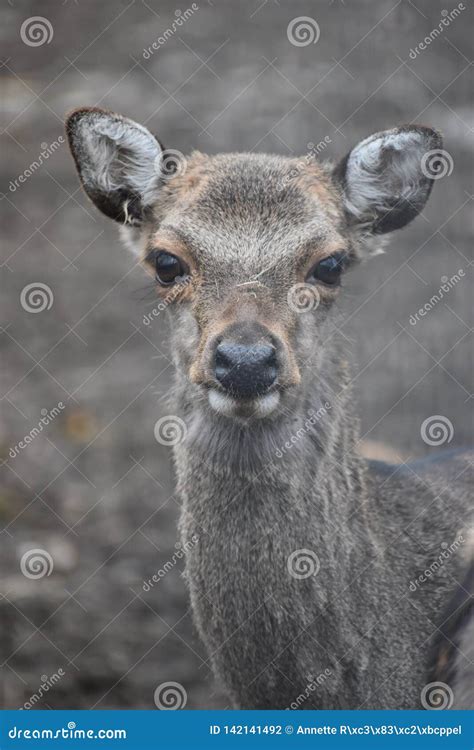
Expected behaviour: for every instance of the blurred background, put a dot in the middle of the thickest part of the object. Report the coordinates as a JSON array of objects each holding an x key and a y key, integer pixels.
[{"x": 92, "y": 490}]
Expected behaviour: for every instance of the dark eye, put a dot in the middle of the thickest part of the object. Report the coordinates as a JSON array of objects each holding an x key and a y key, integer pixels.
[
  {"x": 169, "y": 268},
  {"x": 328, "y": 270}
]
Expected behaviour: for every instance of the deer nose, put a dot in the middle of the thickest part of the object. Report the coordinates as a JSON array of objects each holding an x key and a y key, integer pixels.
[{"x": 245, "y": 371}]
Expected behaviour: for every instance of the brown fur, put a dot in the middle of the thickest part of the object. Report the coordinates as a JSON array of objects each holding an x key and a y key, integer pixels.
[{"x": 258, "y": 477}]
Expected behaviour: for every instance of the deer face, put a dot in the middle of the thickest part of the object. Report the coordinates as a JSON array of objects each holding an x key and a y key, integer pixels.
[{"x": 249, "y": 250}]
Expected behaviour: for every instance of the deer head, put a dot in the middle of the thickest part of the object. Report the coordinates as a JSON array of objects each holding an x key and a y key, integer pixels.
[{"x": 250, "y": 248}]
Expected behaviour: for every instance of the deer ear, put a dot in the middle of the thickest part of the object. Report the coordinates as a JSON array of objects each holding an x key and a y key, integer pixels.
[
  {"x": 387, "y": 178},
  {"x": 118, "y": 162}
]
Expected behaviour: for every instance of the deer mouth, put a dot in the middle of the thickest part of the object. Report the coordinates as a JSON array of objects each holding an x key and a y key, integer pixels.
[
  {"x": 258, "y": 407},
  {"x": 245, "y": 370}
]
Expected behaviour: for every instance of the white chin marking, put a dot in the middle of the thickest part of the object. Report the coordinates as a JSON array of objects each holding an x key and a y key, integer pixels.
[{"x": 230, "y": 407}]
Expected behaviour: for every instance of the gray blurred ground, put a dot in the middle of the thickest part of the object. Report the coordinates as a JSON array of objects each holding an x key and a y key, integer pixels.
[{"x": 95, "y": 489}]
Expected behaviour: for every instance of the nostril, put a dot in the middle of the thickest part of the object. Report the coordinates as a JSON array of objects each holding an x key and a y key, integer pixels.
[
  {"x": 267, "y": 355},
  {"x": 224, "y": 355}
]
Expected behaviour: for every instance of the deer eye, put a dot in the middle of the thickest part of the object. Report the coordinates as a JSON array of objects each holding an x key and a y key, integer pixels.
[
  {"x": 328, "y": 270},
  {"x": 169, "y": 268}
]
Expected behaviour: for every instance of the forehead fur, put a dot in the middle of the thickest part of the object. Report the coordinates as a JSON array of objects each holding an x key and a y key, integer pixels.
[{"x": 245, "y": 206}]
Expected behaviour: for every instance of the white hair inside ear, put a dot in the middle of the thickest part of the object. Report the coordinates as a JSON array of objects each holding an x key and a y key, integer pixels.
[
  {"x": 119, "y": 162},
  {"x": 384, "y": 183},
  {"x": 122, "y": 153}
]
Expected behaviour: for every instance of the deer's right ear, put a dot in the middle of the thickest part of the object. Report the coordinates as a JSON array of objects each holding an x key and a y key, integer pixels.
[
  {"x": 118, "y": 162},
  {"x": 387, "y": 178}
]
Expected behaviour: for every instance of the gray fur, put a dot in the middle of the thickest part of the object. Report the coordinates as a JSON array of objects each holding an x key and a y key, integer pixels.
[
  {"x": 463, "y": 677},
  {"x": 247, "y": 226}
]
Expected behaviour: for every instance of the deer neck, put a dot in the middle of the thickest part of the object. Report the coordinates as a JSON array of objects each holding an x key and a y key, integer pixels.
[{"x": 282, "y": 517}]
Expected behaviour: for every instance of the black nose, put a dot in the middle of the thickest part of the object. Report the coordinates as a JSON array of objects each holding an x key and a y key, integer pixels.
[{"x": 245, "y": 371}]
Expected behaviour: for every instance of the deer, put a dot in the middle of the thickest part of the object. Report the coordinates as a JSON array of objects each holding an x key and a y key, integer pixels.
[{"x": 305, "y": 584}]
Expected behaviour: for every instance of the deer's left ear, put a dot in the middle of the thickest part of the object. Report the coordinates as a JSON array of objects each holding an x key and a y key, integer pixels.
[
  {"x": 387, "y": 178},
  {"x": 119, "y": 162}
]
